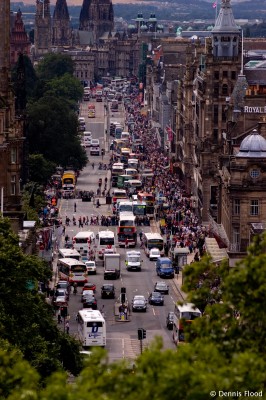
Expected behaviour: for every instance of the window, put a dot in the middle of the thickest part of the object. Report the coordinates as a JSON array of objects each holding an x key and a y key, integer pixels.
[
  {"x": 236, "y": 238},
  {"x": 215, "y": 135},
  {"x": 13, "y": 185},
  {"x": 225, "y": 74},
  {"x": 254, "y": 207},
  {"x": 254, "y": 173},
  {"x": 216, "y": 89},
  {"x": 233, "y": 75},
  {"x": 13, "y": 155},
  {"x": 236, "y": 207},
  {"x": 215, "y": 114},
  {"x": 224, "y": 90},
  {"x": 216, "y": 75}
]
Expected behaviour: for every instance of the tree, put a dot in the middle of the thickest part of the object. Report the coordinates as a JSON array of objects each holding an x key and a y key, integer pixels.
[
  {"x": 55, "y": 65},
  {"x": 26, "y": 320},
  {"x": 40, "y": 169},
  {"x": 52, "y": 132},
  {"x": 66, "y": 86}
]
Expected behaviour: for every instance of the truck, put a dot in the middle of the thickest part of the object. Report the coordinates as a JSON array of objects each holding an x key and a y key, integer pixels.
[
  {"x": 133, "y": 260},
  {"x": 164, "y": 267},
  {"x": 112, "y": 266}
]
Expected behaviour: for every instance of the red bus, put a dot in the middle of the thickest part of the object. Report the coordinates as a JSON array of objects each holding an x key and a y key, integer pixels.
[{"x": 127, "y": 231}]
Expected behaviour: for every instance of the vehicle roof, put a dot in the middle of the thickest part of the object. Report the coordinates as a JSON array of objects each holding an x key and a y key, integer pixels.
[
  {"x": 106, "y": 233},
  {"x": 187, "y": 307},
  {"x": 152, "y": 235},
  {"x": 120, "y": 191},
  {"x": 90, "y": 315},
  {"x": 84, "y": 234},
  {"x": 70, "y": 252},
  {"x": 134, "y": 181},
  {"x": 164, "y": 259},
  {"x": 133, "y": 253},
  {"x": 125, "y": 203},
  {"x": 71, "y": 261}
]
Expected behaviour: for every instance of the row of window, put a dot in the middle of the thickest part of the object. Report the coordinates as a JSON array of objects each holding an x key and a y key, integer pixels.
[
  {"x": 254, "y": 206},
  {"x": 225, "y": 74}
]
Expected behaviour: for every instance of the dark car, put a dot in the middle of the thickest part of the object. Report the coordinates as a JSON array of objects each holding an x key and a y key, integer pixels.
[
  {"x": 86, "y": 196},
  {"x": 90, "y": 302},
  {"x": 63, "y": 285},
  {"x": 108, "y": 291},
  {"x": 139, "y": 305},
  {"x": 156, "y": 298},
  {"x": 170, "y": 321},
  {"x": 161, "y": 287}
]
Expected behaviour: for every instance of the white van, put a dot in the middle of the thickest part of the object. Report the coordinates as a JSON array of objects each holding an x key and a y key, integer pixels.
[{"x": 84, "y": 241}]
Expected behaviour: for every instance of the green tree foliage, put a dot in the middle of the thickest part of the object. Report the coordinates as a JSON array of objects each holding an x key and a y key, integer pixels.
[
  {"x": 52, "y": 131},
  {"x": 26, "y": 320},
  {"x": 32, "y": 200},
  {"x": 30, "y": 76},
  {"x": 40, "y": 169},
  {"x": 66, "y": 86},
  {"x": 55, "y": 65}
]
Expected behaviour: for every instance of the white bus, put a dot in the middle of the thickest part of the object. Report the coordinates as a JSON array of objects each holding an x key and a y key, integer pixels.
[
  {"x": 106, "y": 242},
  {"x": 83, "y": 241},
  {"x": 123, "y": 206},
  {"x": 151, "y": 241},
  {"x": 183, "y": 314},
  {"x": 69, "y": 253},
  {"x": 91, "y": 328},
  {"x": 72, "y": 270}
]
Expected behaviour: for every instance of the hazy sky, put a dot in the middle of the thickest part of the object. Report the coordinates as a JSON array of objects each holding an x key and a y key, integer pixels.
[{"x": 79, "y": 2}]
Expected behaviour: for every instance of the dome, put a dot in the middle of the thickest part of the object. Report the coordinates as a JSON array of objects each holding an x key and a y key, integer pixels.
[
  {"x": 254, "y": 145},
  {"x": 144, "y": 27}
]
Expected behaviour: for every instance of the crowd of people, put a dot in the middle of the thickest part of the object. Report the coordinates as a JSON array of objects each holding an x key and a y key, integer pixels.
[{"x": 174, "y": 209}]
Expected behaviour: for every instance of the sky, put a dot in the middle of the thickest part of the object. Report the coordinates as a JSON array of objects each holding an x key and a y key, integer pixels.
[{"x": 79, "y": 2}]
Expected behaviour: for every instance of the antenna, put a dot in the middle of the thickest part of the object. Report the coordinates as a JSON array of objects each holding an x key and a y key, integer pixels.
[{"x": 242, "y": 52}]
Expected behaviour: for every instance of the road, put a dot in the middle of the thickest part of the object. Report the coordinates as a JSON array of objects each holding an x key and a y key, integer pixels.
[{"x": 122, "y": 339}]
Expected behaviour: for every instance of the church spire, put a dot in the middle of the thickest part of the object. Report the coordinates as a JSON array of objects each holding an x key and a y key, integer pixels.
[
  {"x": 61, "y": 33},
  {"x": 225, "y": 34},
  {"x": 4, "y": 46}
]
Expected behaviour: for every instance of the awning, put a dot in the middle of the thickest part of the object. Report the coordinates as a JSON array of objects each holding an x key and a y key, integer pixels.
[{"x": 214, "y": 250}]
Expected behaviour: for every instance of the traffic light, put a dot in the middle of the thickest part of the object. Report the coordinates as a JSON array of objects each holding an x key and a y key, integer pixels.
[
  {"x": 143, "y": 333},
  {"x": 140, "y": 334},
  {"x": 123, "y": 298},
  {"x": 103, "y": 152},
  {"x": 123, "y": 290}
]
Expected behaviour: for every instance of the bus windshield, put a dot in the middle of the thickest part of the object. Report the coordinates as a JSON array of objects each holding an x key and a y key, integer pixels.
[{"x": 104, "y": 241}]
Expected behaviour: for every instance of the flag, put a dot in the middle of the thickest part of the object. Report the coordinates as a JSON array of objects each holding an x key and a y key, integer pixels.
[{"x": 214, "y": 4}]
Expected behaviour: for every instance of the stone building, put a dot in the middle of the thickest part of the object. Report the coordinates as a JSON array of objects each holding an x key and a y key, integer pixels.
[
  {"x": 19, "y": 41},
  {"x": 43, "y": 27},
  {"x": 61, "y": 27},
  {"x": 11, "y": 133}
]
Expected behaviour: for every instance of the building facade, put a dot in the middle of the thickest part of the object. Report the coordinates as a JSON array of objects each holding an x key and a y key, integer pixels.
[
  {"x": 19, "y": 41},
  {"x": 43, "y": 28},
  {"x": 61, "y": 27},
  {"x": 11, "y": 133}
]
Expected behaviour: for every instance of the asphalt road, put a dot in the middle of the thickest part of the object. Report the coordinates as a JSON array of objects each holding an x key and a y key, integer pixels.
[{"x": 122, "y": 339}]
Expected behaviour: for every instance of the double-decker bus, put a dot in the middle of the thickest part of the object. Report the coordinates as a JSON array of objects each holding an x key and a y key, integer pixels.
[
  {"x": 153, "y": 241},
  {"x": 91, "y": 328},
  {"x": 183, "y": 314},
  {"x": 119, "y": 194},
  {"x": 150, "y": 200},
  {"x": 139, "y": 208},
  {"x": 127, "y": 231},
  {"x": 106, "y": 242},
  {"x": 72, "y": 270},
  {"x": 69, "y": 253}
]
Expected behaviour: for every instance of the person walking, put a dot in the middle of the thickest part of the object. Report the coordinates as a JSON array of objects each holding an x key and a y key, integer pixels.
[
  {"x": 75, "y": 207},
  {"x": 67, "y": 327},
  {"x": 126, "y": 243}
]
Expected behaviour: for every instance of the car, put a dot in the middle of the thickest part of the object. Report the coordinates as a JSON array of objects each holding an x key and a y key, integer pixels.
[
  {"x": 86, "y": 142},
  {"x": 154, "y": 254},
  {"x": 170, "y": 320},
  {"x": 90, "y": 302},
  {"x": 87, "y": 293},
  {"x": 140, "y": 297},
  {"x": 108, "y": 291},
  {"x": 63, "y": 285},
  {"x": 95, "y": 143},
  {"x": 91, "y": 267},
  {"x": 89, "y": 286},
  {"x": 60, "y": 301},
  {"x": 161, "y": 287},
  {"x": 139, "y": 304},
  {"x": 61, "y": 292},
  {"x": 156, "y": 298}
]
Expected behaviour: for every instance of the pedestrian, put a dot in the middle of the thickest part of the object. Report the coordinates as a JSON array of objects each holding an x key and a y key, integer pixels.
[
  {"x": 125, "y": 311},
  {"x": 140, "y": 235},
  {"x": 126, "y": 243},
  {"x": 92, "y": 164},
  {"x": 67, "y": 327},
  {"x": 59, "y": 318},
  {"x": 75, "y": 207},
  {"x": 66, "y": 238}
]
